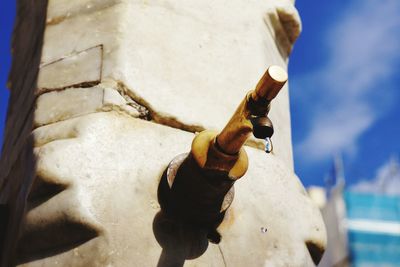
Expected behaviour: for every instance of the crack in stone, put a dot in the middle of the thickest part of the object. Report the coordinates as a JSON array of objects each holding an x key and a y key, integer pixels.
[
  {"x": 76, "y": 56},
  {"x": 141, "y": 106},
  {"x": 155, "y": 116},
  {"x": 86, "y": 84},
  {"x": 128, "y": 106},
  {"x": 222, "y": 254},
  {"x": 144, "y": 112}
]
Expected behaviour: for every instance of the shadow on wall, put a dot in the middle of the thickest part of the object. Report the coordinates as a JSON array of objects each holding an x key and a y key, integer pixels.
[
  {"x": 179, "y": 241},
  {"x": 17, "y": 164}
]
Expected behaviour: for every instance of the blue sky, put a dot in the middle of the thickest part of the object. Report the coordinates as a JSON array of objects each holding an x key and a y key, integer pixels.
[
  {"x": 7, "y": 11},
  {"x": 344, "y": 79}
]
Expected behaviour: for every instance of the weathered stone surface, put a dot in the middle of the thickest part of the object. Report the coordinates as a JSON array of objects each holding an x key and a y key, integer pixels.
[
  {"x": 84, "y": 30},
  {"x": 81, "y": 68},
  {"x": 270, "y": 197},
  {"x": 60, "y": 105},
  {"x": 112, "y": 98},
  {"x": 59, "y": 10},
  {"x": 107, "y": 167},
  {"x": 73, "y": 102},
  {"x": 204, "y": 65}
]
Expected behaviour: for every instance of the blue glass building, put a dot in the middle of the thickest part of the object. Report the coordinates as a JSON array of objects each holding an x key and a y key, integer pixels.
[{"x": 373, "y": 226}]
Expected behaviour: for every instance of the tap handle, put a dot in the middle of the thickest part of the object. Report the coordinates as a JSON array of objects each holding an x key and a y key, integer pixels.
[{"x": 262, "y": 127}]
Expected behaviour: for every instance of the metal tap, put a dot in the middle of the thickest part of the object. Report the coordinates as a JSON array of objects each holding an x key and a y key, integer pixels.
[
  {"x": 197, "y": 188},
  {"x": 251, "y": 115},
  {"x": 211, "y": 150}
]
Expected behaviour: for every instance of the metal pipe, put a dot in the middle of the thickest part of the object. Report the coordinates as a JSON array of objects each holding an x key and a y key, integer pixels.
[{"x": 239, "y": 127}]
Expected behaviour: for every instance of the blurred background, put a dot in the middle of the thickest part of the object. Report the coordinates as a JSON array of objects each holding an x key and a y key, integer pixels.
[
  {"x": 345, "y": 106},
  {"x": 344, "y": 76}
]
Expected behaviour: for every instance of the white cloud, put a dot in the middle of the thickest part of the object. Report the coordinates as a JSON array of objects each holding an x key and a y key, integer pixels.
[
  {"x": 335, "y": 131},
  {"x": 352, "y": 89},
  {"x": 387, "y": 180}
]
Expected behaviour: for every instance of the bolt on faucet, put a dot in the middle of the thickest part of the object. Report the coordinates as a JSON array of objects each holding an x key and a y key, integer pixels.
[{"x": 197, "y": 187}]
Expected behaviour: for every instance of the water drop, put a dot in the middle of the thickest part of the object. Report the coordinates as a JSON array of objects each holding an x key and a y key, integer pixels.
[{"x": 268, "y": 145}]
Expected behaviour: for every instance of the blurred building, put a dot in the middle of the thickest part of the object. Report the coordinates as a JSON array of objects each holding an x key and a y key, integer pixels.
[{"x": 363, "y": 224}]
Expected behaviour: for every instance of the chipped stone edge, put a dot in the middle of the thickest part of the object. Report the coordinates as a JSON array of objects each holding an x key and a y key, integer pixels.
[{"x": 284, "y": 24}]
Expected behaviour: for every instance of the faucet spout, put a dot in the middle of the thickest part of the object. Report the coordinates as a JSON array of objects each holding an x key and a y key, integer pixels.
[
  {"x": 224, "y": 151},
  {"x": 256, "y": 104}
]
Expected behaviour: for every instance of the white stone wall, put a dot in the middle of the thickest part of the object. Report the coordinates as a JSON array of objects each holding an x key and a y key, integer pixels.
[{"x": 122, "y": 89}]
